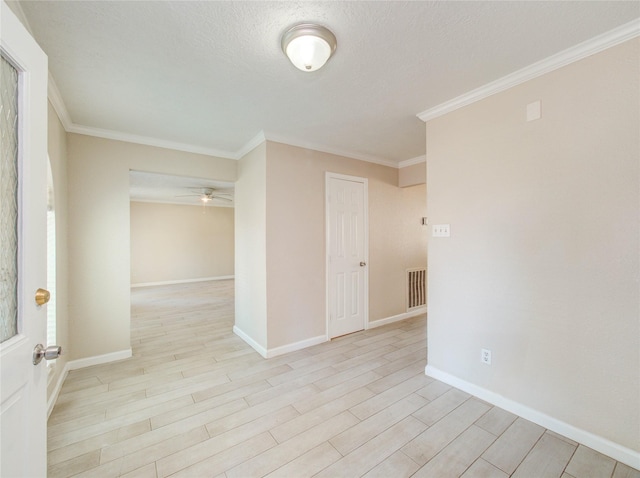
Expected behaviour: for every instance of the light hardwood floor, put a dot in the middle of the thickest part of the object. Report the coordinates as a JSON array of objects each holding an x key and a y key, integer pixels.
[{"x": 196, "y": 401}]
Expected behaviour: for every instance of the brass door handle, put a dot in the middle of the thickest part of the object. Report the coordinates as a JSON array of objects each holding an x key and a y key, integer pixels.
[{"x": 42, "y": 296}]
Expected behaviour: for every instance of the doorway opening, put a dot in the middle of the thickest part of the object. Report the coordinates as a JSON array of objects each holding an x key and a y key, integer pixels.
[
  {"x": 51, "y": 262},
  {"x": 181, "y": 229}
]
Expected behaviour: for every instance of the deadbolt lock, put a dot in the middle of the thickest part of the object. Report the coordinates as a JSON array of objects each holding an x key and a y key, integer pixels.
[{"x": 42, "y": 296}]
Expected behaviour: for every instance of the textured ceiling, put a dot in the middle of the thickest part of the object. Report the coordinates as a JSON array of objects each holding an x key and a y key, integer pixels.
[{"x": 212, "y": 75}]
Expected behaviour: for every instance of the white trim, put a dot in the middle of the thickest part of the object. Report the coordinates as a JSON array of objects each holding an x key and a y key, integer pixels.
[
  {"x": 182, "y": 281},
  {"x": 302, "y": 344},
  {"x": 255, "y": 345},
  {"x": 575, "y": 53},
  {"x": 148, "y": 141},
  {"x": 55, "y": 98},
  {"x": 53, "y": 398},
  {"x": 327, "y": 149},
  {"x": 598, "y": 443},
  {"x": 18, "y": 11},
  {"x": 58, "y": 105},
  {"x": 81, "y": 363},
  {"x": 250, "y": 145},
  {"x": 98, "y": 359},
  {"x": 395, "y": 318},
  {"x": 328, "y": 176},
  {"x": 412, "y": 161},
  {"x": 570, "y": 55},
  {"x": 284, "y": 349}
]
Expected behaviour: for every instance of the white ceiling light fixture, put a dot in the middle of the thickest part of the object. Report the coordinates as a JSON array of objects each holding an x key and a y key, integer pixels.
[{"x": 308, "y": 46}]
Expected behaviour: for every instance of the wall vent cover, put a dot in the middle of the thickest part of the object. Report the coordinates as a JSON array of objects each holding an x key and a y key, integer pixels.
[{"x": 416, "y": 288}]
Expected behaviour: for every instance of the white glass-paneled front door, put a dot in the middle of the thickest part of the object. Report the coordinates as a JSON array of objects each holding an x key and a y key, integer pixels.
[{"x": 23, "y": 207}]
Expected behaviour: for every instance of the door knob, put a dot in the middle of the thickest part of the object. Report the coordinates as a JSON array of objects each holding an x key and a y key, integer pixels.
[
  {"x": 362, "y": 264},
  {"x": 42, "y": 296},
  {"x": 50, "y": 353}
]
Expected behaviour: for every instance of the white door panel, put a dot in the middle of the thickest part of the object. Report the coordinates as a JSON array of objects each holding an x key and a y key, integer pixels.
[
  {"x": 23, "y": 385},
  {"x": 347, "y": 251}
]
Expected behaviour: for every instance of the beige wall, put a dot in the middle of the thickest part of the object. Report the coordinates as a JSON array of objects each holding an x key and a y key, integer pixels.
[
  {"x": 57, "y": 149},
  {"x": 250, "y": 235},
  {"x": 542, "y": 266},
  {"x": 99, "y": 232},
  {"x": 412, "y": 175},
  {"x": 295, "y": 238},
  {"x": 172, "y": 242},
  {"x": 284, "y": 192}
]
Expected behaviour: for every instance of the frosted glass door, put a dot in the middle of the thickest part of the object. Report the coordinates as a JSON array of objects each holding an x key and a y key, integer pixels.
[
  {"x": 8, "y": 200},
  {"x": 23, "y": 268}
]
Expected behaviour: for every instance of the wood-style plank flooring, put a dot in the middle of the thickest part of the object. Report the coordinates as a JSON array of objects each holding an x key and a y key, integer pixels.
[{"x": 196, "y": 401}]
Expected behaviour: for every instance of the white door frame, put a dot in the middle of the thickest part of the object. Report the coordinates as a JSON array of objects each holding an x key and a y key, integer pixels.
[{"x": 365, "y": 181}]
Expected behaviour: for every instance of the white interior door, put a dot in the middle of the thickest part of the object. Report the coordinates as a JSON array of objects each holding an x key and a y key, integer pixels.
[
  {"x": 347, "y": 254},
  {"x": 23, "y": 202}
]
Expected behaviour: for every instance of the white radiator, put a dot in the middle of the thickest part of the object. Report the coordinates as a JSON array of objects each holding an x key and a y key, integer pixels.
[{"x": 416, "y": 288}]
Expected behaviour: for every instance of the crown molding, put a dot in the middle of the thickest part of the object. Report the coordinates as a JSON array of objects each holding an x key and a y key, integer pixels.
[
  {"x": 70, "y": 127},
  {"x": 570, "y": 55},
  {"x": 325, "y": 149},
  {"x": 250, "y": 145},
  {"x": 58, "y": 105},
  {"x": 148, "y": 141},
  {"x": 412, "y": 161},
  {"x": 595, "y": 45},
  {"x": 53, "y": 93},
  {"x": 16, "y": 7},
  {"x": 55, "y": 98}
]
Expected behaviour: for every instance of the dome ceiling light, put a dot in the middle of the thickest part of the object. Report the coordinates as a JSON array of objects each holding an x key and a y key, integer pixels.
[{"x": 308, "y": 46}]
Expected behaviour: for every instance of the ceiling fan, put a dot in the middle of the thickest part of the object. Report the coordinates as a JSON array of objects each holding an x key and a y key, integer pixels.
[{"x": 208, "y": 194}]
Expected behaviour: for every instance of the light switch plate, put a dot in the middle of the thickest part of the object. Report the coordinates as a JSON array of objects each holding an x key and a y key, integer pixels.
[{"x": 533, "y": 111}]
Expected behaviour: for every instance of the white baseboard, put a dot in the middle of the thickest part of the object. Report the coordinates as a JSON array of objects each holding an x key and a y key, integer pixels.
[
  {"x": 51, "y": 402},
  {"x": 598, "y": 443},
  {"x": 396, "y": 318},
  {"x": 182, "y": 281},
  {"x": 284, "y": 349},
  {"x": 81, "y": 363},
  {"x": 98, "y": 359},
  {"x": 255, "y": 345},
  {"x": 302, "y": 344}
]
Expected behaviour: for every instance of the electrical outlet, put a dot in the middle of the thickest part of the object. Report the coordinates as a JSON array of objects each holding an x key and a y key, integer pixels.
[
  {"x": 485, "y": 356},
  {"x": 441, "y": 230}
]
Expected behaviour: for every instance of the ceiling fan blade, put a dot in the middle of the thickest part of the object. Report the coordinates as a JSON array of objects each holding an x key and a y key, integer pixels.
[
  {"x": 209, "y": 190},
  {"x": 223, "y": 198}
]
